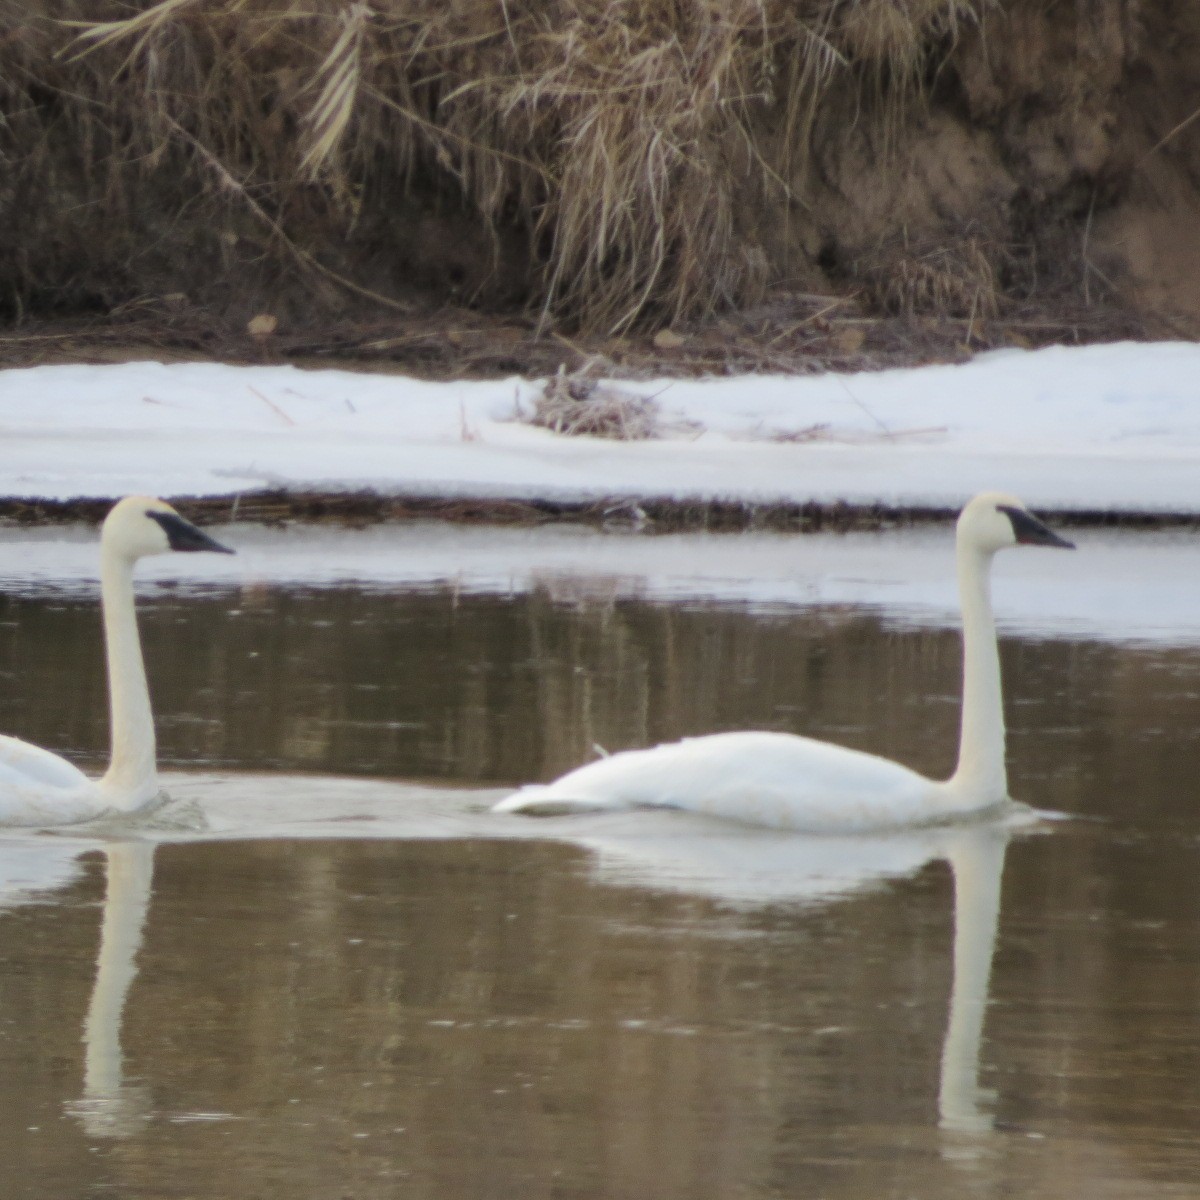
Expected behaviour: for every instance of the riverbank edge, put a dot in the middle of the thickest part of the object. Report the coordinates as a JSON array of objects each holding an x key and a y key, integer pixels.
[{"x": 641, "y": 514}]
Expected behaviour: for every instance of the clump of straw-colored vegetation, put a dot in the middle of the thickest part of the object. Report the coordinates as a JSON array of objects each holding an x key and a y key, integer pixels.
[
  {"x": 612, "y": 153},
  {"x": 575, "y": 405},
  {"x": 956, "y": 280}
]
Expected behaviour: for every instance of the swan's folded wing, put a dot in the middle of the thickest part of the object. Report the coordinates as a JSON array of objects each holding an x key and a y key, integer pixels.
[
  {"x": 23, "y": 764},
  {"x": 777, "y": 780}
]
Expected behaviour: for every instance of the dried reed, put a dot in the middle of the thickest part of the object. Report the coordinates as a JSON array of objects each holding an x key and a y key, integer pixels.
[
  {"x": 628, "y": 141},
  {"x": 576, "y": 405},
  {"x": 947, "y": 281}
]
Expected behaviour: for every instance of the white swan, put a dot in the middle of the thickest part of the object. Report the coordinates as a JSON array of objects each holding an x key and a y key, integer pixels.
[
  {"x": 791, "y": 782},
  {"x": 40, "y": 788}
]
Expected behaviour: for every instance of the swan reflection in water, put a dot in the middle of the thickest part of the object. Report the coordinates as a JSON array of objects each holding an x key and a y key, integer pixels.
[
  {"x": 746, "y": 868},
  {"x": 737, "y": 867},
  {"x": 33, "y": 868},
  {"x": 977, "y": 862},
  {"x": 110, "y": 1106}
]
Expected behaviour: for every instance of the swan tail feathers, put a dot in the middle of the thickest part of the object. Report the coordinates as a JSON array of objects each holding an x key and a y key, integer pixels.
[{"x": 540, "y": 801}]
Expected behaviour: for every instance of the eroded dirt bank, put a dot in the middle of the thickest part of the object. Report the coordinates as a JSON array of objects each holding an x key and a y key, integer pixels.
[
  {"x": 360, "y": 509},
  {"x": 476, "y": 187}
]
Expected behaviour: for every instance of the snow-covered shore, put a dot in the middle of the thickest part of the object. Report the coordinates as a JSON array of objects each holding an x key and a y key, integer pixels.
[{"x": 1109, "y": 428}]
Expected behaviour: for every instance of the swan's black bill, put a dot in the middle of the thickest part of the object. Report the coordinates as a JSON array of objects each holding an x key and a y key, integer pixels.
[
  {"x": 183, "y": 535},
  {"x": 1029, "y": 531}
]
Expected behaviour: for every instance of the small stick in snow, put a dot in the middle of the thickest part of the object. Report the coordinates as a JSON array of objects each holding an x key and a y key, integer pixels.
[
  {"x": 885, "y": 430},
  {"x": 271, "y": 404},
  {"x": 465, "y": 431}
]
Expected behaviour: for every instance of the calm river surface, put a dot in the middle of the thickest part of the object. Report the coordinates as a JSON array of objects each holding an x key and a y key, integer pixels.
[{"x": 562, "y": 1010}]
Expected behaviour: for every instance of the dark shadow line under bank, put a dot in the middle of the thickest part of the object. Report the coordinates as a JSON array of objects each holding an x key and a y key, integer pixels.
[{"x": 629, "y": 512}]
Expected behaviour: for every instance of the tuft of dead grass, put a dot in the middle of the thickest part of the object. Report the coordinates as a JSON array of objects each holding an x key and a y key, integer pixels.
[
  {"x": 624, "y": 143},
  {"x": 894, "y": 35},
  {"x": 949, "y": 281},
  {"x": 575, "y": 405}
]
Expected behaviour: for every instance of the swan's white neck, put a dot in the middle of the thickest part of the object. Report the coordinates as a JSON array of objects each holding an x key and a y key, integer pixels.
[
  {"x": 131, "y": 779},
  {"x": 980, "y": 778}
]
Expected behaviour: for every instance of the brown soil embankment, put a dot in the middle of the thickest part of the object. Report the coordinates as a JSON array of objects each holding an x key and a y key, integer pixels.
[
  {"x": 361, "y": 509},
  {"x": 492, "y": 185}
]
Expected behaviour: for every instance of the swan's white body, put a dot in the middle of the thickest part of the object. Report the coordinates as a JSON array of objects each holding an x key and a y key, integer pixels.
[
  {"x": 791, "y": 782},
  {"x": 38, "y": 787},
  {"x": 774, "y": 779}
]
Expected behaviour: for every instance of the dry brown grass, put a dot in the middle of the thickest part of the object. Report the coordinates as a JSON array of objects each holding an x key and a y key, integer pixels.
[
  {"x": 579, "y": 406},
  {"x": 947, "y": 281},
  {"x": 623, "y": 139},
  {"x": 894, "y": 35}
]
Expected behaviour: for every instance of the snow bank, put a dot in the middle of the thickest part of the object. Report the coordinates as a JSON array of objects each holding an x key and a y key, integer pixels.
[{"x": 1112, "y": 427}]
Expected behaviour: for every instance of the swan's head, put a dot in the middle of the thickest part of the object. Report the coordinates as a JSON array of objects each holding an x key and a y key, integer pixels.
[
  {"x": 141, "y": 525},
  {"x": 995, "y": 520}
]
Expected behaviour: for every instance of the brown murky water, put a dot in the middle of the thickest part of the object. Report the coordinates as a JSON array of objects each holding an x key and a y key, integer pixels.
[{"x": 494, "y": 1018}]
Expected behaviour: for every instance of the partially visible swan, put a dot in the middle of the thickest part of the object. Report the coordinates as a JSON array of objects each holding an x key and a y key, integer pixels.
[
  {"x": 40, "y": 788},
  {"x": 791, "y": 782}
]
